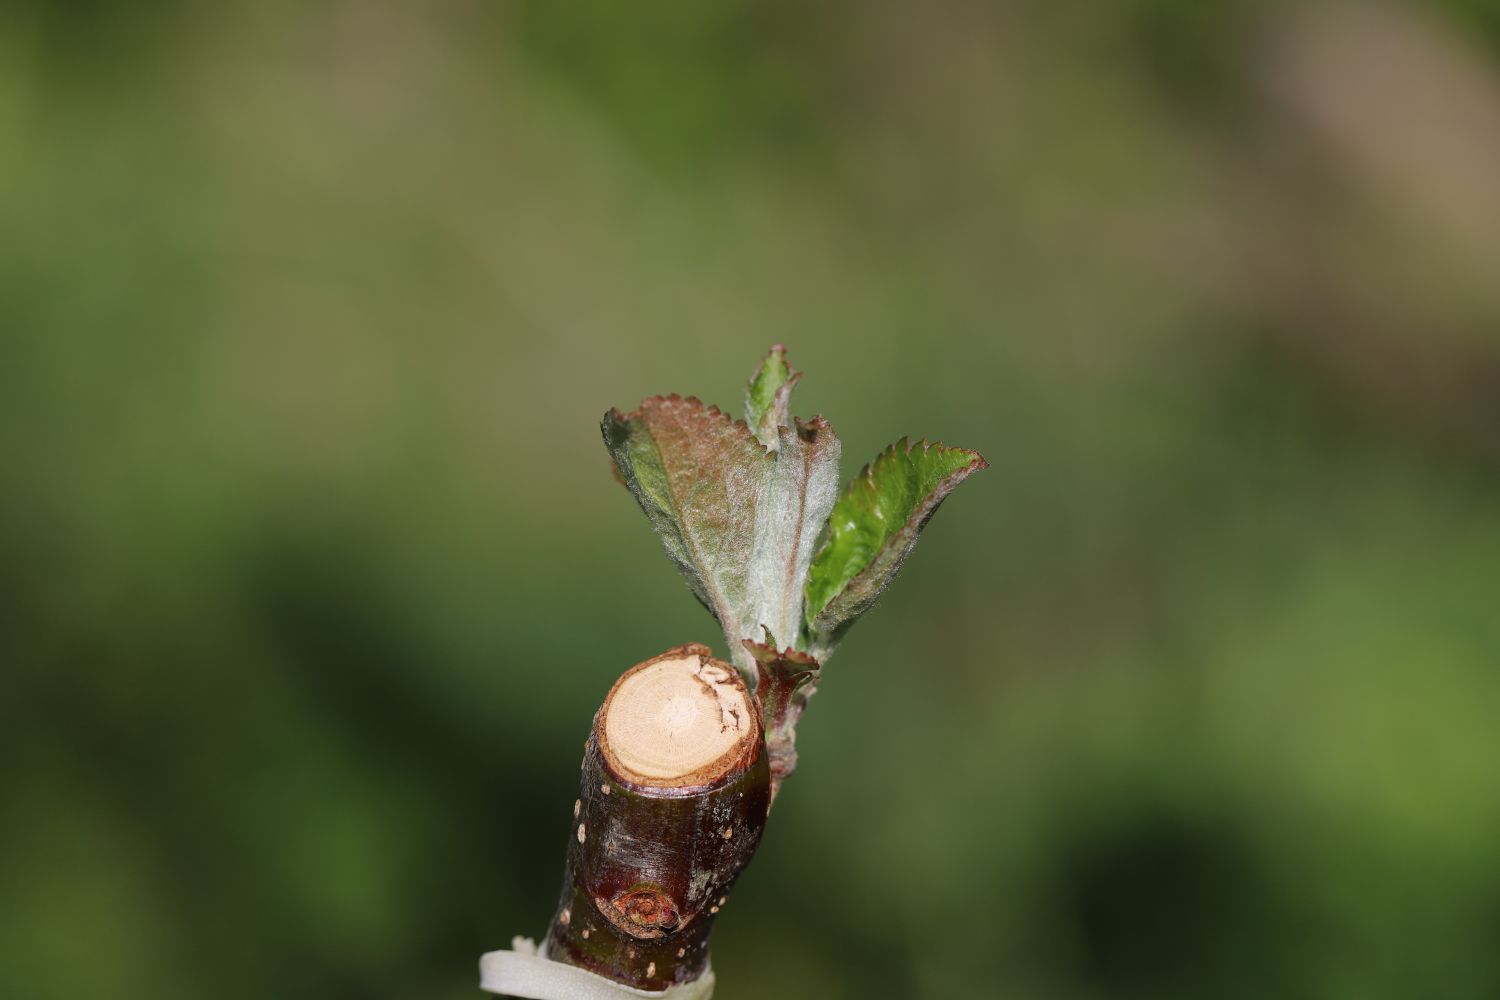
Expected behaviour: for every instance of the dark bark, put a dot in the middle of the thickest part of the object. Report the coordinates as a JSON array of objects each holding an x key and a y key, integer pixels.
[{"x": 649, "y": 867}]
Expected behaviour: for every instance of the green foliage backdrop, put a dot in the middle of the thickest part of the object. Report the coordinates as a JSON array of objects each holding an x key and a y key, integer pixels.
[{"x": 312, "y": 568}]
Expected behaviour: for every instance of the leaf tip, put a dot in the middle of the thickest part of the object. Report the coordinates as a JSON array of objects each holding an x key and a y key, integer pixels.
[
  {"x": 776, "y": 353},
  {"x": 768, "y": 395}
]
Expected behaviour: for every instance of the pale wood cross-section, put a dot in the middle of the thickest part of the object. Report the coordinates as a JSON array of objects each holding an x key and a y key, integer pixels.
[{"x": 681, "y": 719}]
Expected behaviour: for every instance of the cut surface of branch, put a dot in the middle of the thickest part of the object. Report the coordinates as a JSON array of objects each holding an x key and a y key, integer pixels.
[{"x": 677, "y": 720}]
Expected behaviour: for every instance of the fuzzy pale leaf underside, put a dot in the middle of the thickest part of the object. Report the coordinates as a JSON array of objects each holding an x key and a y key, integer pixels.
[{"x": 740, "y": 521}]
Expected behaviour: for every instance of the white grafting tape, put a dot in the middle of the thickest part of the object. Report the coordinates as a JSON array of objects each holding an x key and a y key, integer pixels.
[{"x": 524, "y": 971}]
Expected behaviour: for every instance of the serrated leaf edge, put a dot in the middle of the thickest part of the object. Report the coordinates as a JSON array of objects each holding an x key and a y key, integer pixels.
[
  {"x": 920, "y": 514},
  {"x": 708, "y": 408}
]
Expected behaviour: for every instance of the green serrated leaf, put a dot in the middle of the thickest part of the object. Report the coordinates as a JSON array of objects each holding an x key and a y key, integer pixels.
[
  {"x": 768, "y": 396},
  {"x": 872, "y": 529}
]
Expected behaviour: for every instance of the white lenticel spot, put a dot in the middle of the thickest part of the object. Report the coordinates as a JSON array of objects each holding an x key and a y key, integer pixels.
[
  {"x": 650, "y": 970},
  {"x": 577, "y": 805},
  {"x": 581, "y": 833}
]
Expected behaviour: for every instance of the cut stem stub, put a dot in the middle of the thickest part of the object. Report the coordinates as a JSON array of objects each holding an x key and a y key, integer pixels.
[{"x": 675, "y": 789}]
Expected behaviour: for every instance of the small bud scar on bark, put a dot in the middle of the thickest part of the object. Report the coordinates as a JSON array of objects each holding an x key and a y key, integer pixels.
[
  {"x": 577, "y": 805},
  {"x": 644, "y": 912},
  {"x": 565, "y": 917},
  {"x": 581, "y": 833},
  {"x": 650, "y": 970}
]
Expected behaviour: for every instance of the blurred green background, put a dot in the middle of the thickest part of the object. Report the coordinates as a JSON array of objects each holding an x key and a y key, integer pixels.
[{"x": 312, "y": 570}]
